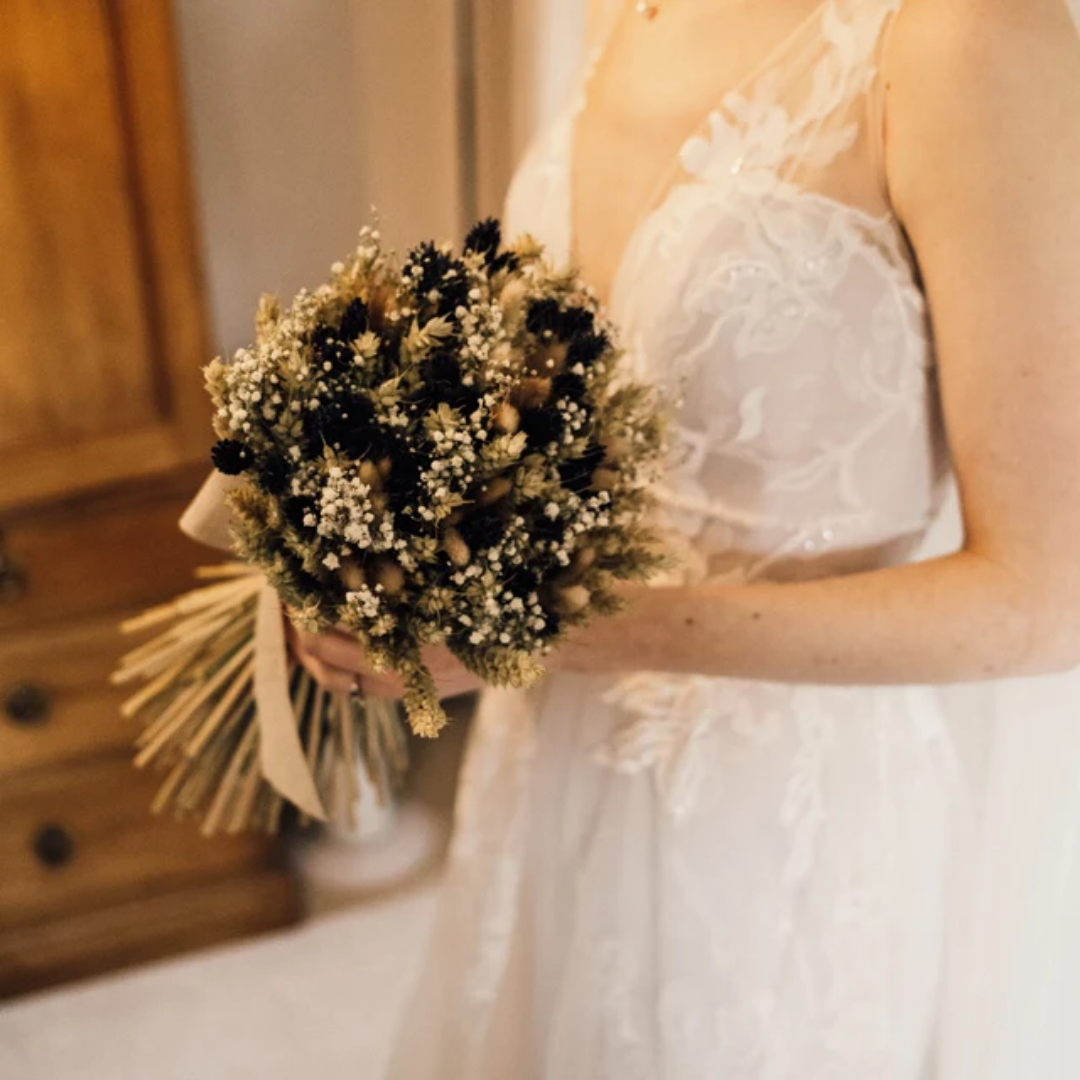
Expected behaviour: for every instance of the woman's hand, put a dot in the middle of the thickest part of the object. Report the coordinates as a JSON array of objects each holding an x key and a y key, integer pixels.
[{"x": 336, "y": 660}]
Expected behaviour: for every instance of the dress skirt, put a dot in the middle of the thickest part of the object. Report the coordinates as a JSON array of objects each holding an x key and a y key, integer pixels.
[{"x": 674, "y": 878}]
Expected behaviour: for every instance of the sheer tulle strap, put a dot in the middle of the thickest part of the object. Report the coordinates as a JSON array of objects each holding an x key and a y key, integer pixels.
[
  {"x": 826, "y": 93},
  {"x": 877, "y": 120},
  {"x": 598, "y": 32}
]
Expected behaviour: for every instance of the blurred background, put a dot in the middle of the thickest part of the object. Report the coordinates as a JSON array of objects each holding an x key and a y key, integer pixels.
[{"x": 161, "y": 165}]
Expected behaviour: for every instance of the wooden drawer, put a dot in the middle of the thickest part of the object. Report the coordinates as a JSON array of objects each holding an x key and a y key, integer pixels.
[
  {"x": 55, "y": 699},
  {"x": 91, "y": 942},
  {"x": 81, "y": 837},
  {"x": 114, "y": 552}
]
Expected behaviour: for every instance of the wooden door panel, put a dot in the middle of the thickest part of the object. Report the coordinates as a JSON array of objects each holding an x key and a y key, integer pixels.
[
  {"x": 73, "y": 336},
  {"x": 101, "y": 330}
]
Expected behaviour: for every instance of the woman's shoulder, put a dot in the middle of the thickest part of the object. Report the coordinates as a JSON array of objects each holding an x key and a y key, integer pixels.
[
  {"x": 981, "y": 106},
  {"x": 992, "y": 84},
  {"x": 945, "y": 40}
]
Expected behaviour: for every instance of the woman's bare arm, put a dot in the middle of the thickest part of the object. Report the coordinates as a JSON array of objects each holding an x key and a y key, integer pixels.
[{"x": 983, "y": 162}]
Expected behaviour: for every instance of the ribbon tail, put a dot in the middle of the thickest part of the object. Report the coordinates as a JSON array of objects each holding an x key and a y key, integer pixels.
[
  {"x": 280, "y": 752},
  {"x": 207, "y": 516}
]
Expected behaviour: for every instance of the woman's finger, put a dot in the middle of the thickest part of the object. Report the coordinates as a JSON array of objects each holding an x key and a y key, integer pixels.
[
  {"x": 451, "y": 676},
  {"x": 382, "y": 686},
  {"x": 335, "y": 679},
  {"x": 336, "y": 649},
  {"x": 336, "y": 660}
]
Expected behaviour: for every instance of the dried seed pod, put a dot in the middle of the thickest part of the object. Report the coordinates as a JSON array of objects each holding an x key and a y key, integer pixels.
[
  {"x": 494, "y": 490},
  {"x": 380, "y": 302},
  {"x": 572, "y": 599},
  {"x": 352, "y": 575},
  {"x": 512, "y": 296},
  {"x": 617, "y": 449},
  {"x": 390, "y": 576},
  {"x": 454, "y": 546},
  {"x": 532, "y": 392},
  {"x": 369, "y": 474},
  {"x": 506, "y": 418},
  {"x": 605, "y": 479},
  {"x": 384, "y": 465},
  {"x": 583, "y": 559}
]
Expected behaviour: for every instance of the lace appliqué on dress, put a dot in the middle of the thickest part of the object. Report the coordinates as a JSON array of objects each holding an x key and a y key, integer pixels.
[{"x": 668, "y": 718}]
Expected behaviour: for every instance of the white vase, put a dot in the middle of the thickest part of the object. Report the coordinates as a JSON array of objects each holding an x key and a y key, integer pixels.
[
  {"x": 369, "y": 819},
  {"x": 372, "y": 843}
]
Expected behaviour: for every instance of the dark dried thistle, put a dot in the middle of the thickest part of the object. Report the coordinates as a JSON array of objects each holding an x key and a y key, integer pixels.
[{"x": 231, "y": 457}]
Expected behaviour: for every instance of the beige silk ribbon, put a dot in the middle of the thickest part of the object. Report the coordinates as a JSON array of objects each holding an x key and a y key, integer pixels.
[{"x": 280, "y": 752}]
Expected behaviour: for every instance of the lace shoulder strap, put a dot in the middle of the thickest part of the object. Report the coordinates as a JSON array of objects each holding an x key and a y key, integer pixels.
[{"x": 816, "y": 93}]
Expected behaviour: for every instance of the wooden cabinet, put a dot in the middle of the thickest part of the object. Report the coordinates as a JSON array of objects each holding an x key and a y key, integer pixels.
[
  {"x": 57, "y": 820},
  {"x": 103, "y": 438},
  {"x": 101, "y": 331}
]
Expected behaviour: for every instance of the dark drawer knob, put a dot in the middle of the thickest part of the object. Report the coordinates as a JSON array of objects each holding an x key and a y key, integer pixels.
[
  {"x": 27, "y": 704},
  {"x": 53, "y": 846},
  {"x": 12, "y": 576}
]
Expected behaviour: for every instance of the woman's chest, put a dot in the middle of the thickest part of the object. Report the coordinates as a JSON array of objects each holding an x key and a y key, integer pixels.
[
  {"x": 649, "y": 97},
  {"x": 631, "y": 121}
]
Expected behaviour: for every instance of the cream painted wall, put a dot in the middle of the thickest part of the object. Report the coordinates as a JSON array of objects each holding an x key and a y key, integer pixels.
[
  {"x": 301, "y": 115},
  {"x": 273, "y": 108},
  {"x": 408, "y": 124}
]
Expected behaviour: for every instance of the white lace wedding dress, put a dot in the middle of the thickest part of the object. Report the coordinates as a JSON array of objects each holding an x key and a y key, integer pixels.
[{"x": 660, "y": 877}]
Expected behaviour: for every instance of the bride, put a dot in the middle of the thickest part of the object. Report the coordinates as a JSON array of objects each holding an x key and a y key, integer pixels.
[{"x": 752, "y": 827}]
